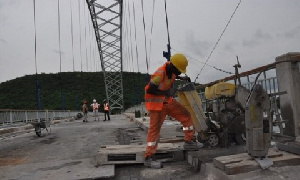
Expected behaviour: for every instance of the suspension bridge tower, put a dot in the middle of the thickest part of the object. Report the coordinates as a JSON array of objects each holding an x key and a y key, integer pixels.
[{"x": 107, "y": 22}]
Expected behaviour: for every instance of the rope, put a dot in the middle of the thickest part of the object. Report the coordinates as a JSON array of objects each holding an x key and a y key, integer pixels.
[{"x": 218, "y": 40}]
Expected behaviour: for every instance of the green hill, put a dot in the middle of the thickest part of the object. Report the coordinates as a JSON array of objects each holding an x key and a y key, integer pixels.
[{"x": 20, "y": 93}]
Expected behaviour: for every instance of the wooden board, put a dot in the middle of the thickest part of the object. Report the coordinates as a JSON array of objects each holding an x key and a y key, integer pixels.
[
  {"x": 134, "y": 154},
  {"x": 241, "y": 163}
]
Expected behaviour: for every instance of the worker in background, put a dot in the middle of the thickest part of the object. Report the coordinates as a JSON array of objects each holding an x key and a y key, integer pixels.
[
  {"x": 106, "y": 110},
  {"x": 85, "y": 111},
  {"x": 95, "y": 106},
  {"x": 159, "y": 102}
]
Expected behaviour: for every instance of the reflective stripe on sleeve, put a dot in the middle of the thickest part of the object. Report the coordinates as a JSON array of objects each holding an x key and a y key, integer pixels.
[
  {"x": 188, "y": 128},
  {"x": 151, "y": 143}
]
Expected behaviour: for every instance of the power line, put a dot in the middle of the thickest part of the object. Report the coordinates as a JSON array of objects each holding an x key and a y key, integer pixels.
[{"x": 218, "y": 40}]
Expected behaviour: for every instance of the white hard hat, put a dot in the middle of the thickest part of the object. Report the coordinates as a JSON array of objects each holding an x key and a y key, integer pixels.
[{"x": 94, "y": 100}]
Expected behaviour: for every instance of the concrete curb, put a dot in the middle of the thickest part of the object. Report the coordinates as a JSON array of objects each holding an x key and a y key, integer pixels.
[{"x": 14, "y": 129}]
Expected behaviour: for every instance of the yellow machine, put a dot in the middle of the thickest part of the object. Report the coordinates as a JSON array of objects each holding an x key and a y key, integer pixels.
[
  {"x": 220, "y": 89},
  {"x": 220, "y": 120}
]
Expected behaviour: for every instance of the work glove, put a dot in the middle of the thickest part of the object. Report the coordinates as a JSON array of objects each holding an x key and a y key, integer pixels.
[{"x": 170, "y": 92}]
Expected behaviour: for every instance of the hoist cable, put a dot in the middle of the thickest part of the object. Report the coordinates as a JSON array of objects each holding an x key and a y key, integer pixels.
[
  {"x": 58, "y": 16},
  {"x": 34, "y": 18},
  {"x": 72, "y": 35},
  {"x": 218, "y": 40},
  {"x": 131, "y": 52},
  {"x": 127, "y": 43},
  {"x": 59, "y": 42},
  {"x": 37, "y": 85},
  {"x": 87, "y": 60},
  {"x": 80, "y": 33},
  {"x": 136, "y": 49},
  {"x": 91, "y": 60},
  {"x": 147, "y": 62},
  {"x": 153, "y": 5},
  {"x": 167, "y": 23},
  {"x": 126, "y": 40}
]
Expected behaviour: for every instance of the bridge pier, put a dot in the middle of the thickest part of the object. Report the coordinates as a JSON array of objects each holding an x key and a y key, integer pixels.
[{"x": 288, "y": 77}]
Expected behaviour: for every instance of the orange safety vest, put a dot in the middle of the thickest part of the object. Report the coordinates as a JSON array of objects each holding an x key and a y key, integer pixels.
[
  {"x": 106, "y": 107},
  {"x": 155, "y": 102}
]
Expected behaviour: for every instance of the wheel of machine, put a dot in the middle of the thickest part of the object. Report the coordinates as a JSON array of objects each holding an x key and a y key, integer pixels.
[
  {"x": 240, "y": 138},
  {"x": 212, "y": 140},
  {"x": 38, "y": 130}
]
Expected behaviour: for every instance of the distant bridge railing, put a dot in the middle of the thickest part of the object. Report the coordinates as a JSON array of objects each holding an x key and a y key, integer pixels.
[{"x": 10, "y": 116}]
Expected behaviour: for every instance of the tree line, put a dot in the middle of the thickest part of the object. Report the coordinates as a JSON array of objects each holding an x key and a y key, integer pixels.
[{"x": 74, "y": 87}]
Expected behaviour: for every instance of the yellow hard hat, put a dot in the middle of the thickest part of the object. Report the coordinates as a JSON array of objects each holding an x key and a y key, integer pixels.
[{"x": 180, "y": 62}]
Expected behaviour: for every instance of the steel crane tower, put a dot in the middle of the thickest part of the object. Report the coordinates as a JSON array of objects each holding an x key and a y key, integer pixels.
[{"x": 107, "y": 22}]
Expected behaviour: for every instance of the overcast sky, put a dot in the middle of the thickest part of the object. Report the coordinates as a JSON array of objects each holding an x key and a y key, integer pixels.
[{"x": 259, "y": 31}]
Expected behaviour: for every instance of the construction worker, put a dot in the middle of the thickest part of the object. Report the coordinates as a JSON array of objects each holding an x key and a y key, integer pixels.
[
  {"x": 159, "y": 102},
  {"x": 85, "y": 111},
  {"x": 106, "y": 110},
  {"x": 95, "y": 106}
]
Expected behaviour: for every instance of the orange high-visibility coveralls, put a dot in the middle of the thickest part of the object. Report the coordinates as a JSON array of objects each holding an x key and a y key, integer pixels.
[{"x": 159, "y": 106}]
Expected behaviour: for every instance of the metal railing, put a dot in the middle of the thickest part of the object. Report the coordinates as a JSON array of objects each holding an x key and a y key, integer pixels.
[
  {"x": 10, "y": 116},
  {"x": 269, "y": 85}
]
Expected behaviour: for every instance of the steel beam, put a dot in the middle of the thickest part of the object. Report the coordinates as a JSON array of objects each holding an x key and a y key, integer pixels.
[{"x": 107, "y": 22}]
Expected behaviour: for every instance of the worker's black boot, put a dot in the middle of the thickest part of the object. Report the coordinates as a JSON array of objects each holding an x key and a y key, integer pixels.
[
  {"x": 192, "y": 145},
  {"x": 149, "y": 162}
]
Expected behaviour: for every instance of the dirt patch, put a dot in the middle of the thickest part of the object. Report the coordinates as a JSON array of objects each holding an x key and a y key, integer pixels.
[{"x": 12, "y": 161}]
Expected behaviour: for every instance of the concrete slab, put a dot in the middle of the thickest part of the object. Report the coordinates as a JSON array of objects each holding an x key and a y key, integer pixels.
[
  {"x": 64, "y": 169},
  {"x": 272, "y": 173}
]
